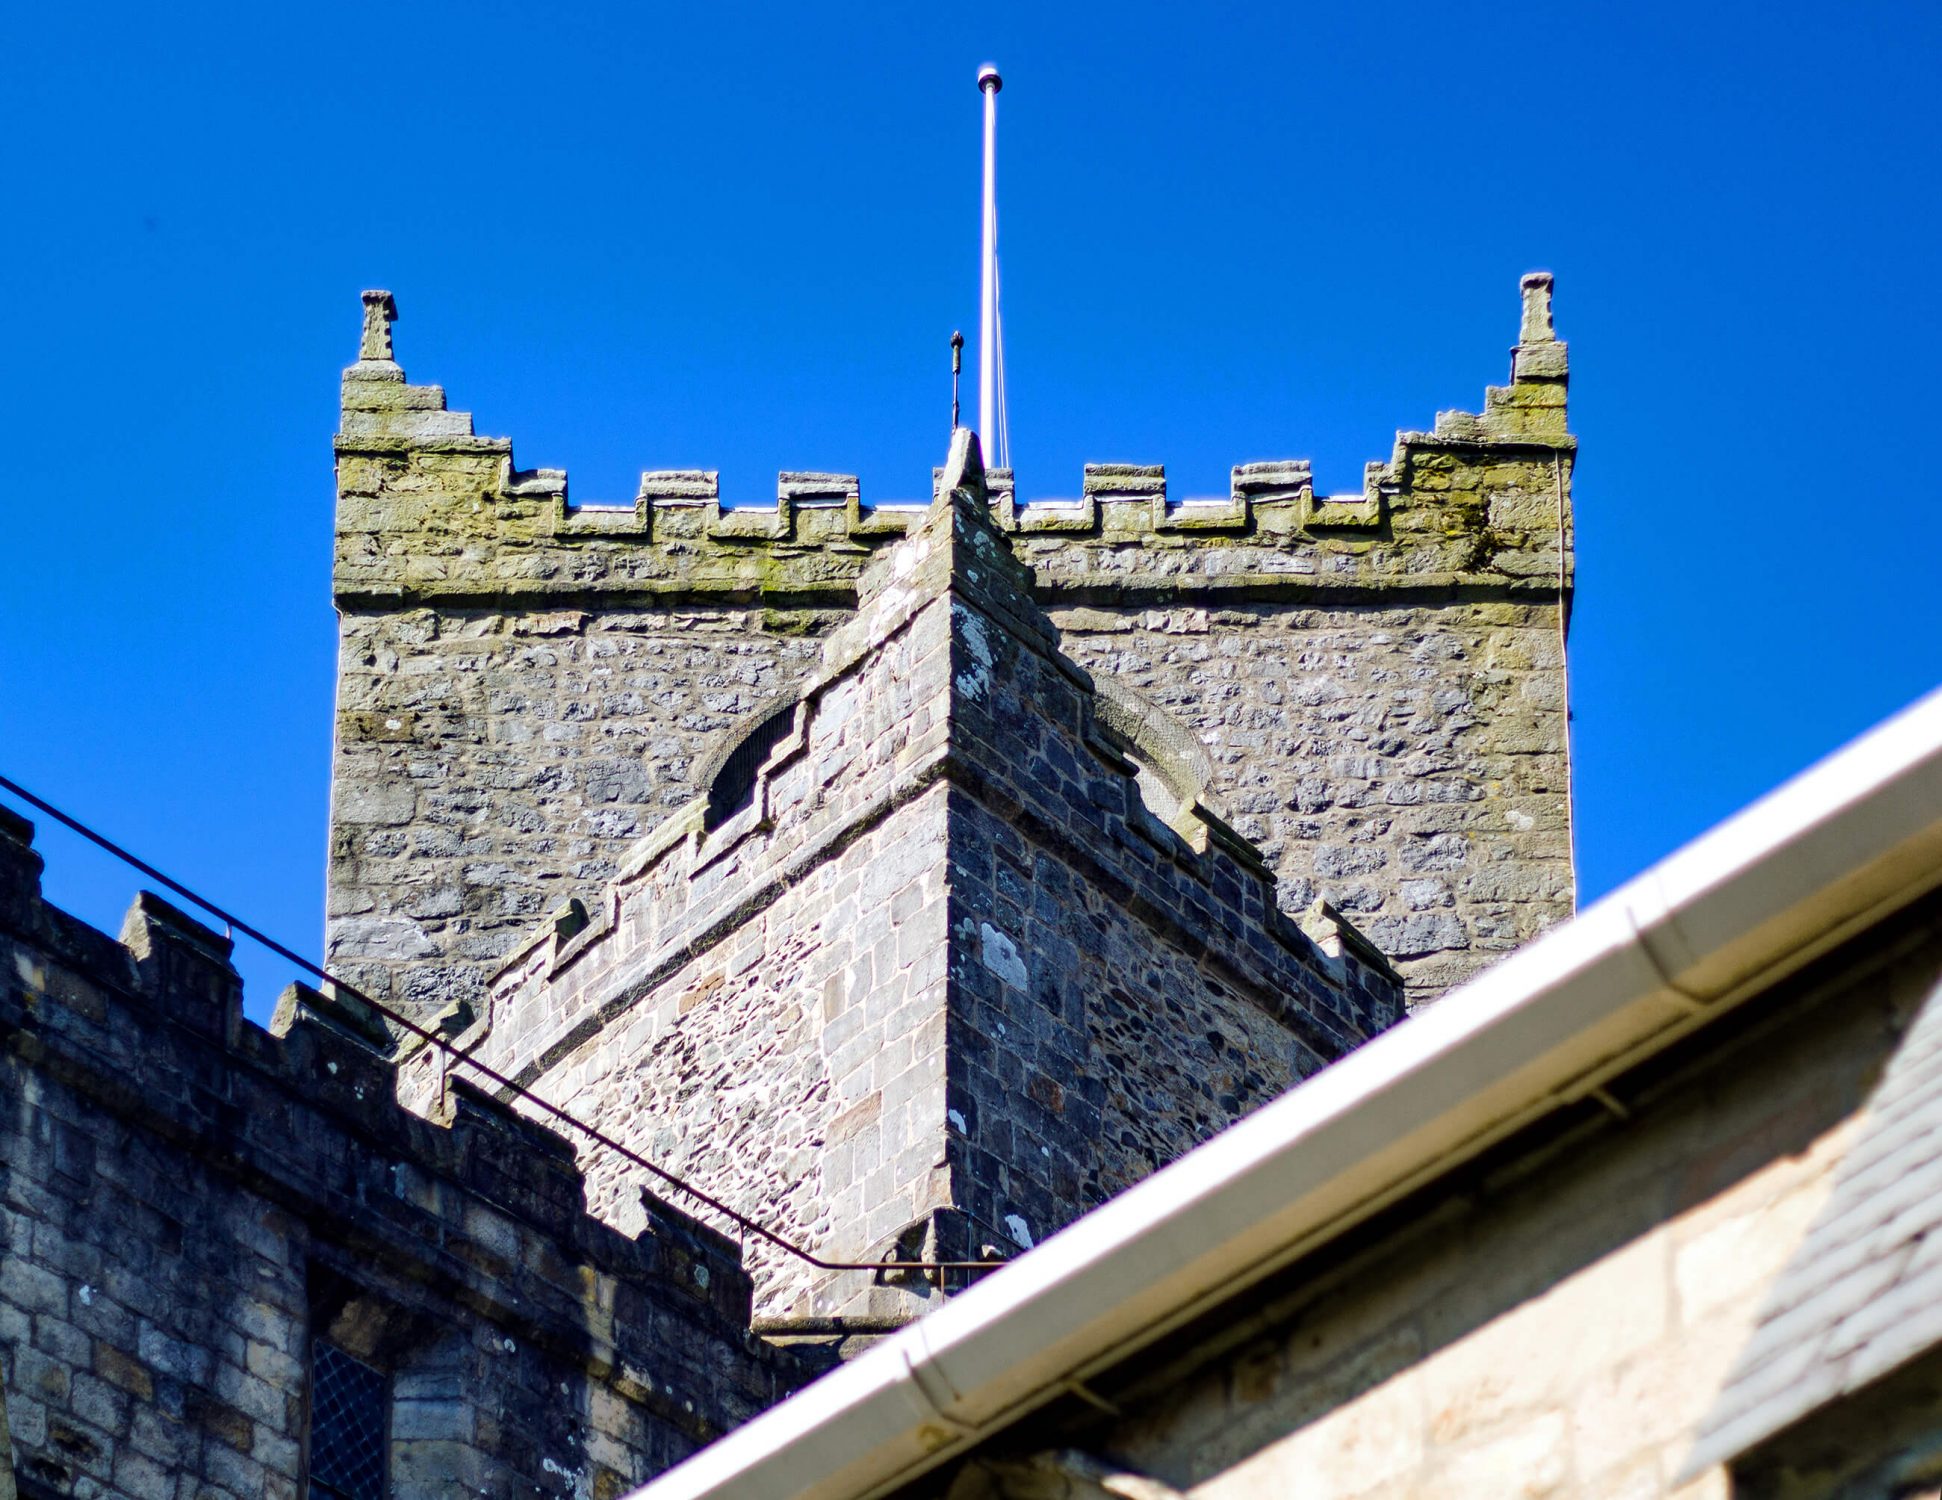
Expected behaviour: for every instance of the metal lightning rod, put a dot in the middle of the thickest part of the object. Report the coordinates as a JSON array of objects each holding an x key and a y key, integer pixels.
[
  {"x": 988, "y": 356},
  {"x": 957, "y": 369}
]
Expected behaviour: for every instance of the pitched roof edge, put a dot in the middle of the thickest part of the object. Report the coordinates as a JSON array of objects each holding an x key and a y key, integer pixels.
[{"x": 1839, "y": 847}]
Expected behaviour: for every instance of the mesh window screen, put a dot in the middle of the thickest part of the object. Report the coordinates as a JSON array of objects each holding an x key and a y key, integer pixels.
[{"x": 347, "y": 1426}]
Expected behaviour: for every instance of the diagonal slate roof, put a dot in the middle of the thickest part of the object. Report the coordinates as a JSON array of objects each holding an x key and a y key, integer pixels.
[{"x": 1864, "y": 1291}]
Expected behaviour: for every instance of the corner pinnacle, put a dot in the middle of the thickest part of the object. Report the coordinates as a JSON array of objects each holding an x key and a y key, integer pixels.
[
  {"x": 1536, "y": 327},
  {"x": 380, "y": 312}
]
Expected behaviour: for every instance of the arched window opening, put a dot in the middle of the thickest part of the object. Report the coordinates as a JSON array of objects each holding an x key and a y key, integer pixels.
[
  {"x": 1171, "y": 767},
  {"x": 733, "y": 786}
]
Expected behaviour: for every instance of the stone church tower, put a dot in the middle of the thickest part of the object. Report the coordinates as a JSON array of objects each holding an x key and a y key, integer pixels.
[
  {"x": 931, "y": 976},
  {"x": 914, "y": 878},
  {"x": 1369, "y": 687},
  {"x": 906, "y": 880}
]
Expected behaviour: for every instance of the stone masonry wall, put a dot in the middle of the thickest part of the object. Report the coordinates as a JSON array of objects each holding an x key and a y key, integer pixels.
[
  {"x": 525, "y": 686},
  {"x": 1406, "y": 764},
  {"x": 188, "y": 1202},
  {"x": 837, "y": 1012},
  {"x": 488, "y": 761},
  {"x": 1086, "y": 1050},
  {"x": 1615, "y": 1309},
  {"x": 759, "y": 1006},
  {"x": 1119, "y": 993}
]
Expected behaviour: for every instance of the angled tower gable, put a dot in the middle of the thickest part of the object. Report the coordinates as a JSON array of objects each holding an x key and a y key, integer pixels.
[{"x": 943, "y": 982}]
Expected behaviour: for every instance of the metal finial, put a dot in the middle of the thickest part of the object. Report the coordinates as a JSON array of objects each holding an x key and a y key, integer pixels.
[{"x": 957, "y": 369}]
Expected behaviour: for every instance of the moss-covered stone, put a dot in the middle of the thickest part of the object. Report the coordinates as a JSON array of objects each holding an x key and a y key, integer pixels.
[{"x": 702, "y": 619}]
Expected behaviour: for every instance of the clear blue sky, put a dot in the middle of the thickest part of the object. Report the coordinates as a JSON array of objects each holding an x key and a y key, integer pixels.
[{"x": 739, "y": 237}]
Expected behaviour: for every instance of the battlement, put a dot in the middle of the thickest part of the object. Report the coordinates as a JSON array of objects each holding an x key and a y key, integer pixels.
[
  {"x": 694, "y": 879},
  {"x": 527, "y": 687},
  {"x": 126, "y": 1015},
  {"x": 192, "y": 1204},
  {"x": 429, "y": 510},
  {"x": 1277, "y": 498}
]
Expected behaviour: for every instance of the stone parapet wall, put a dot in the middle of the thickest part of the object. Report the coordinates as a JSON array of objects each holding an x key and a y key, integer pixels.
[
  {"x": 427, "y": 516},
  {"x": 188, "y": 1202}
]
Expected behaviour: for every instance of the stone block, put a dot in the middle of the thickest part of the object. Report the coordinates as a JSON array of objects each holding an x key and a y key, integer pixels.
[
  {"x": 20, "y": 868},
  {"x": 142, "y": 1478},
  {"x": 98, "y": 1403},
  {"x": 185, "y": 966},
  {"x": 124, "y": 1371},
  {"x": 32, "y": 1288},
  {"x": 387, "y": 804}
]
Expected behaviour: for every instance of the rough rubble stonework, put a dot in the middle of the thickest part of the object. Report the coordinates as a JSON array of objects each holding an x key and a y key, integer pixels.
[
  {"x": 944, "y": 981},
  {"x": 1370, "y": 687}
]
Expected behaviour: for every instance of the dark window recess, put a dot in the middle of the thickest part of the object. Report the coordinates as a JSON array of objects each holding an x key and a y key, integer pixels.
[
  {"x": 734, "y": 785},
  {"x": 348, "y": 1409}
]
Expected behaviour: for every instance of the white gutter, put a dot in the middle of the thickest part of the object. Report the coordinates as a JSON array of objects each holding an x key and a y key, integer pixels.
[{"x": 1831, "y": 852}]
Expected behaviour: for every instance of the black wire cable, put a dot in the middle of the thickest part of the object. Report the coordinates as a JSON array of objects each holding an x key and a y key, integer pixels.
[{"x": 592, "y": 1133}]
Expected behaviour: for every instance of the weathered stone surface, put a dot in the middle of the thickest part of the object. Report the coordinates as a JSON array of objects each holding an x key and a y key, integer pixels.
[
  {"x": 526, "y": 687},
  {"x": 939, "y": 978},
  {"x": 187, "y": 1203},
  {"x": 1365, "y": 747}
]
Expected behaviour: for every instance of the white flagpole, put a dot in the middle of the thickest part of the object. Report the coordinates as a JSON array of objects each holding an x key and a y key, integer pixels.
[{"x": 988, "y": 84}]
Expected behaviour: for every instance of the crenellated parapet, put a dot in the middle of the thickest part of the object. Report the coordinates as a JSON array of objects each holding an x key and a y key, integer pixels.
[
  {"x": 795, "y": 987},
  {"x": 429, "y": 510},
  {"x": 695, "y": 879},
  {"x": 188, "y": 1197},
  {"x": 528, "y": 685}
]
